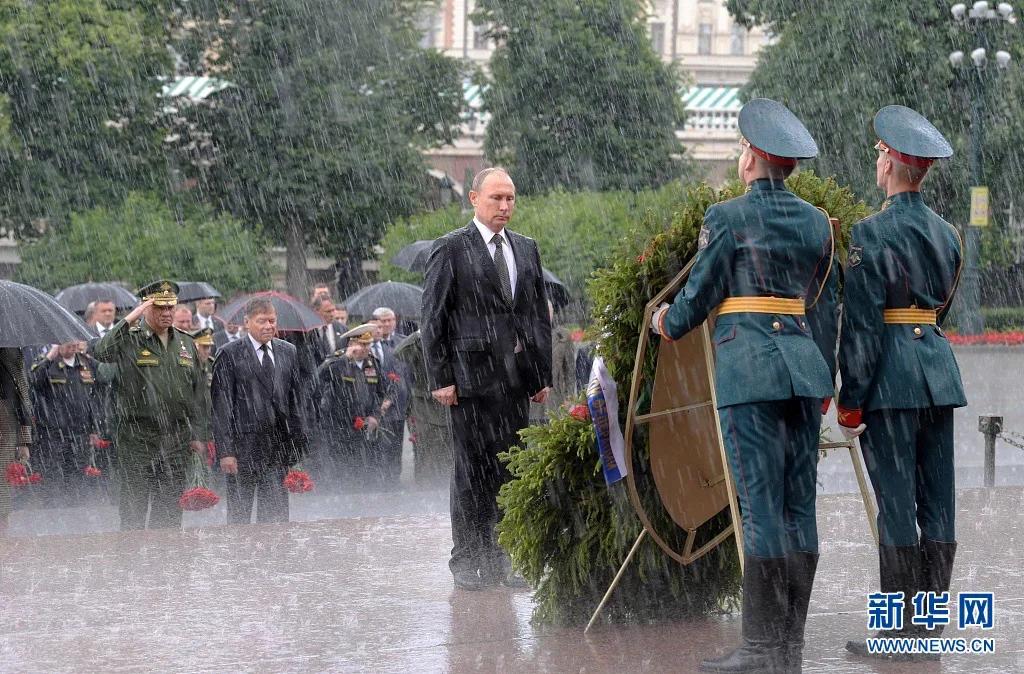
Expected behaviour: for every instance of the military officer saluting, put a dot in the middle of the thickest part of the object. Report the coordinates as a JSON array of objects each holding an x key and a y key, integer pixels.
[
  {"x": 765, "y": 260},
  {"x": 900, "y": 380},
  {"x": 161, "y": 407},
  {"x": 356, "y": 393}
]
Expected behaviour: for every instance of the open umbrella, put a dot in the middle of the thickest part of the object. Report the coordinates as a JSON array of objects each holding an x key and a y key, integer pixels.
[
  {"x": 557, "y": 292},
  {"x": 403, "y": 298},
  {"x": 77, "y": 298},
  {"x": 190, "y": 291},
  {"x": 414, "y": 256},
  {"x": 292, "y": 314},
  {"x": 29, "y": 316}
]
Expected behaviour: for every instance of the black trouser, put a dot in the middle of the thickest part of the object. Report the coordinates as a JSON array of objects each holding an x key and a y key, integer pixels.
[
  {"x": 482, "y": 427},
  {"x": 390, "y": 451},
  {"x": 263, "y": 482}
]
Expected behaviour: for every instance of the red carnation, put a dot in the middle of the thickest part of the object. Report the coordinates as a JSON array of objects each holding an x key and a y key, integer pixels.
[
  {"x": 211, "y": 453},
  {"x": 298, "y": 481},
  {"x": 16, "y": 475},
  {"x": 393, "y": 376},
  {"x": 93, "y": 471},
  {"x": 100, "y": 443},
  {"x": 35, "y": 478},
  {"x": 576, "y": 335},
  {"x": 641, "y": 258},
  {"x": 359, "y": 423},
  {"x": 580, "y": 412},
  {"x": 198, "y": 498}
]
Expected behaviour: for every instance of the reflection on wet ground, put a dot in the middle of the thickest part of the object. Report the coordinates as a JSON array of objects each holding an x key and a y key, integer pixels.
[{"x": 373, "y": 594}]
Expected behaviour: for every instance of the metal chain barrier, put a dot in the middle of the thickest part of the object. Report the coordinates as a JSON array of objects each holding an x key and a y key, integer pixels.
[{"x": 1012, "y": 439}]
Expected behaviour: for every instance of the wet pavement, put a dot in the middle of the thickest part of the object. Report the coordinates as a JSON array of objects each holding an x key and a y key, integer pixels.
[{"x": 373, "y": 594}]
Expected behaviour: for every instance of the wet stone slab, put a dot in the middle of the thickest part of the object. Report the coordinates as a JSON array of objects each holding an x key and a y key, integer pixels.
[{"x": 375, "y": 595}]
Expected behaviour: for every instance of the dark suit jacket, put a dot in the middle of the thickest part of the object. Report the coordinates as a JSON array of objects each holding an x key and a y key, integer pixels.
[
  {"x": 323, "y": 349},
  {"x": 469, "y": 332},
  {"x": 254, "y": 419},
  {"x": 221, "y": 339}
]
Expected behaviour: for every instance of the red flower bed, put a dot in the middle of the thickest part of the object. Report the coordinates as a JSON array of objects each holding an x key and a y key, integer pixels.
[
  {"x": 990, "y": 338},
  {"x": 298, "y": 481},
  {"x": 580, "y": 412},
  {"x": 198, "y": 498}
]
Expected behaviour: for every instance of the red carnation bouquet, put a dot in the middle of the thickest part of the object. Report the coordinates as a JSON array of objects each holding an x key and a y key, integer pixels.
[
  {"x": 580, "y": 412},
  {"x": 197, "y": 496},
  {"x": 298, "y": 481},
  {"x": 20, "y": 474}
]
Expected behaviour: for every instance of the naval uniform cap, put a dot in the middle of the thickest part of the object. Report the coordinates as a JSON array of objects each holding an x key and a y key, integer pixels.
[
  {"x": 362, "y": 334},
  {"x": 909, "y": 137},
  {"x": 774, "y": 133},
  {"x": 163, "y": 293}
]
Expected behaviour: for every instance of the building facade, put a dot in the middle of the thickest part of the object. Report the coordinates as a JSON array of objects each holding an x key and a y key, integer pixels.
[{"x": 715, "y": 53}]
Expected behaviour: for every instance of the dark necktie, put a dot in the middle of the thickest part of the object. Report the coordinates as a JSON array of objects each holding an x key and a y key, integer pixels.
[
  {"x": 268, "y": 362},
  {"x": 504, "y": 282}
]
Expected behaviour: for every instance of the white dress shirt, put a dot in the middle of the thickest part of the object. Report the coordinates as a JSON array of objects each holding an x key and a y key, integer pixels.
[
  {"x": 259, "y": 350},
  {"x": 506, "y": 248},
  {"x": 328, "y": 334},
  {"x": 205, "y": 322}
]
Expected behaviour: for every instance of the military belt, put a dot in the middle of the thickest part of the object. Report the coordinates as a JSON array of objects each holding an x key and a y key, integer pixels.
[
  {"x": 761, "y": 305},
  {"x": 910, "y": 317}
]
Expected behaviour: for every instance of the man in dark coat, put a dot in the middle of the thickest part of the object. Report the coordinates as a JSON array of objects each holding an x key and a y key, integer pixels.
[
  {"x": 487, "y": 341},
  {"x": 257, "y": 417}
]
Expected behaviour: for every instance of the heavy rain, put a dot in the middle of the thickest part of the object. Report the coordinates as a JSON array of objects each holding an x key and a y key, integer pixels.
[{"x": 505, "y": 336}]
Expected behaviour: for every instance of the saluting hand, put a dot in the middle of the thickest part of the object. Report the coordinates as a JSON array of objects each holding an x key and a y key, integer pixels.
[{"x": 137, "y": 312}]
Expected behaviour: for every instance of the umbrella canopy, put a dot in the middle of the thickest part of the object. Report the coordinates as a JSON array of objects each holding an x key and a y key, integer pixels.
[
  {"x": 403, "y": 298},
  {"x": 557, "y": 292},
  {"x": 190, "y": 291},
  {"x": 77, "y": 298},
  {"x": 414, "y": 256},
  {"x": 292, "y": 314},
  {"x": 29, "y": 316}
]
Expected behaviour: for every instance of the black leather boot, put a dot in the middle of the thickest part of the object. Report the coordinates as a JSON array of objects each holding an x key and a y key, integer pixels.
[
  {"x": 765, "y": 590},
  {"x": 801, "y": 567},
  {"x": 899, "y": 570},
  {"x": 936, "y": 572}
]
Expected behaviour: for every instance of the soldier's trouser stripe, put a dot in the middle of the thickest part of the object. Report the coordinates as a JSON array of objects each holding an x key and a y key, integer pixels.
[{"x": 773, "y": 444}]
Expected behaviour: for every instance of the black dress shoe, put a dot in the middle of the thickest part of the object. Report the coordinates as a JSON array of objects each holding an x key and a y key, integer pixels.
[{"x": 468, "y": 579}]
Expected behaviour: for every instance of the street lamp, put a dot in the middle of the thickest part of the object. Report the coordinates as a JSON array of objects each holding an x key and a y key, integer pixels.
[{"x": 979, "y": 19}]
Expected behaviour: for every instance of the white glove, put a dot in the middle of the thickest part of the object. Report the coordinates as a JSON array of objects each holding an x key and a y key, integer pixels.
[
  {"x": 851, "y": 433},
  {"x": 656, "y": 318}
]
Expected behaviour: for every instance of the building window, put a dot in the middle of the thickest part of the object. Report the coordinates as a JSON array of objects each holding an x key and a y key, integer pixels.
[
  {"x": 480, "y": 40},
  {"x": 738, "y": 40},
  {"x": 658, "y": 38},
  {"x": 704, "y": 35}
]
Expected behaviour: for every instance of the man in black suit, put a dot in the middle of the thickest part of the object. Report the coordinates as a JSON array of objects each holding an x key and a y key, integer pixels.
[
  {"x": 330, "y": 341},
  {"x": 487, "y": 343},
  {"x": 257, "y": 420}
]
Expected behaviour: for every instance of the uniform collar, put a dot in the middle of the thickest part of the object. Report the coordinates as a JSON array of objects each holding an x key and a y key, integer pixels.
[
  {"x": 909, "y": 197},
  {"x": 764, "y": 184}
]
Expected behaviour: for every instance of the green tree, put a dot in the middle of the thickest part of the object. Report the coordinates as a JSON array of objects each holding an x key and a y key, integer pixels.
[
  {"x": 578, "y": 98},
  {"x": 835, "y": 63},
  {"x": 144, "y": 238},
  {"x": 321, "y": 140},
  {"x": 77, "y": 107}
]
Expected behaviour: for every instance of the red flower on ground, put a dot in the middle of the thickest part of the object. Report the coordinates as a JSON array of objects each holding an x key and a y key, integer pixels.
[
  {"x": 298, "y": 481},
  {"x": 393, "y": 376},
  {"x": 580, "y": 412},
  {"x": 16, "y": 475},
  {"x": 198, "y": 498},
  {"x": 359, "y": 423},
  {"x": 93, "y": 471}
]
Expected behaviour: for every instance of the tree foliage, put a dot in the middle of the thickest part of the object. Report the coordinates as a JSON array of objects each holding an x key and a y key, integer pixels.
[
  {"x": 78, "y": 99},
  {"x": 143, "y": 239},
  {"x": 323, "y": 132},
  {"x": 565, "y": 530},
  {"x": 578, "y": 98},
  {"x": 835, "y": 63}
]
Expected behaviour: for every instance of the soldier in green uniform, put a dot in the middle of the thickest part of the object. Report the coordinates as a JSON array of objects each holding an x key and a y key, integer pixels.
[
  {"x": 900, "y": 380},
  {"x": 765, "y": 260},
  {"x": 161, "y": 407},
  {"x": 356, "y": 393},
  {"x": 203, "y": 339}
]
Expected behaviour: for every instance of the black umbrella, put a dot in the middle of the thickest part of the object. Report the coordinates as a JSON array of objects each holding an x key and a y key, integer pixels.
[
  {"x": 190, "y": 291},
  {"x": 557, "y": 292},
  {"x": 77, "y": 298},
  {"x": 292, "y": 314},
  {"x": 414, "y": 256},
  {"x": 402, "y": 298},
  {"x": 29, "y": 316}
]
